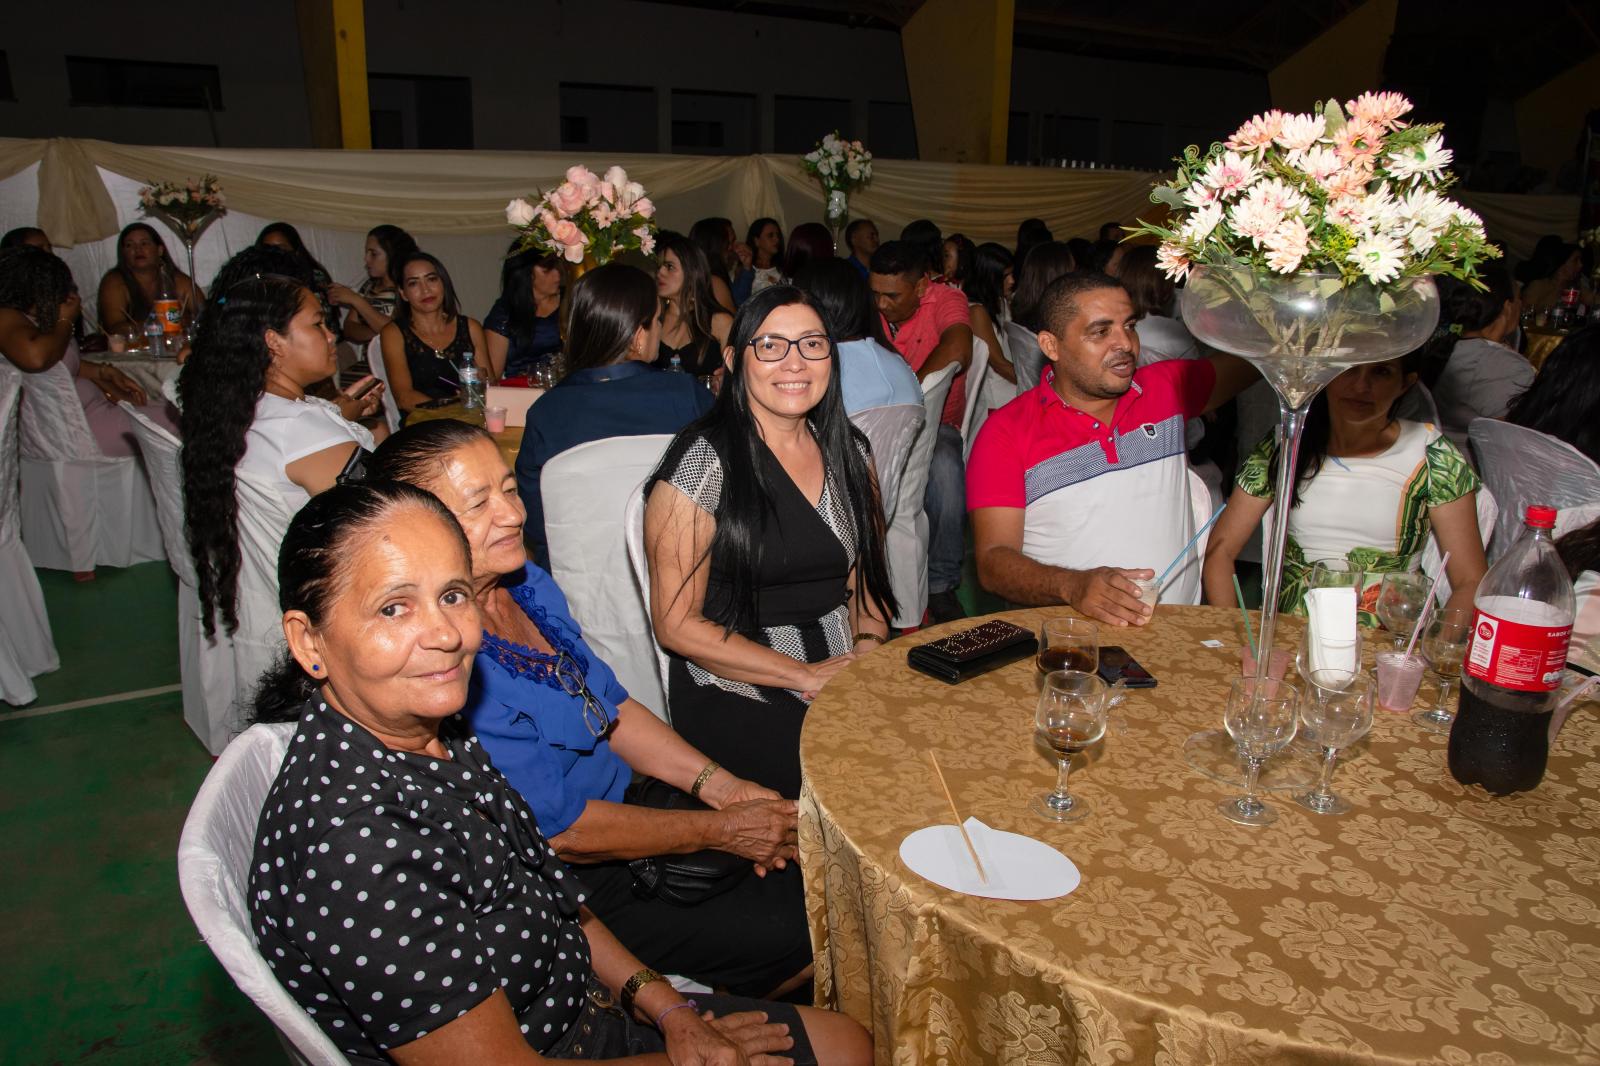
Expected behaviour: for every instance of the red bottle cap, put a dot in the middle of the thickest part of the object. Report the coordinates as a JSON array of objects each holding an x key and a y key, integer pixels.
[{"x": 1541, "y": 517}]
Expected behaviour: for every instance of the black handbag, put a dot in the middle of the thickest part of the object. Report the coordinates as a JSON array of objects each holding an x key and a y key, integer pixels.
[
  {"x": 685, "y": 880},
  {"x": 974, "y": 651}
]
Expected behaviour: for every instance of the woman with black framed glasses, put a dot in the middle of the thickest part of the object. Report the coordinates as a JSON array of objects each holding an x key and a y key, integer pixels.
[
  {"x": 765, "y": 535},
  {"x": 566, "y": 734}
]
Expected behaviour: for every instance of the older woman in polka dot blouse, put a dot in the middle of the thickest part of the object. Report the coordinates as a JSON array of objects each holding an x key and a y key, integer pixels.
[{"x": 400, "y": 889}]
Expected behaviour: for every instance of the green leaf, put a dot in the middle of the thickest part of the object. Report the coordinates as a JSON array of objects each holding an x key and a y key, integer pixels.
[
  {"x": 1385, "y": 303},
  {"x": 1334, "y": 114},
  {"x": 1166, "y": 194}
]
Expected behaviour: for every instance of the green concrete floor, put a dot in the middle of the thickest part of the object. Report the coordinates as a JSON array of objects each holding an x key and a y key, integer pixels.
[{"x": 102, "y": 964}]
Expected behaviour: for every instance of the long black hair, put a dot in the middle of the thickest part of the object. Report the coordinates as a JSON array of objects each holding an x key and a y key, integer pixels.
[
  {"x": 1464, "y": 308},
  {"x": 396, "y": 244},
  {"x": 610, "y": 305},
  {"x": 696, "y": 304},
  {"x": 1564, "y": 398},
  {"x": 965, "y": 251},
  {"x": 985, "y": 281},
  {"x": 1031, "y": 232},
  {"x": 22, "y": 235},
  {"x": 313, "y": 564},
  {"x": 34, "y": 282},
  {"x": 297, "y": 246},
  {"x": 449, "y": 307},
  {"x": 754, "y": 231},
  {"x": 747, "y": 498},
  {"x": 516, "y": 291},
  {"x": 218, "y": 388},
  {"x": 1580, "y": 549},
  {"x": 139, "y": 307},
  {"x": 715, "y": 238},
  {"x": 1319, "y": 427},
  {"x": 1041, "y": 266},
  {"x": 841, "y": 297}
]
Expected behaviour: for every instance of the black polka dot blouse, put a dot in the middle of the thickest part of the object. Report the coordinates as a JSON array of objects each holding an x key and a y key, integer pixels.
[{"x": 392, "y": 893}]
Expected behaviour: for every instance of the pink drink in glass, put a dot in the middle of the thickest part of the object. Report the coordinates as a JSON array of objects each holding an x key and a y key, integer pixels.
[{"x": 1399, "y": 676}]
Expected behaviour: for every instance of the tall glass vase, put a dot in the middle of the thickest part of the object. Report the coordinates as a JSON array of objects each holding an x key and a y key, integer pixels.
[
  {"x": 1302, "y": 331},
  {"x": 189, "y": 229},
  {"x": 837, "y": 213}
]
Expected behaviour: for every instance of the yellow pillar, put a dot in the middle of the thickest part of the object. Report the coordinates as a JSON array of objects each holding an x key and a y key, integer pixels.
[
  {"x": 333, "y": 43},
  {"x": 958, "y": 64},
  {"x": 1346, "y": 60},
  {"x": 1550, "y": 118}
]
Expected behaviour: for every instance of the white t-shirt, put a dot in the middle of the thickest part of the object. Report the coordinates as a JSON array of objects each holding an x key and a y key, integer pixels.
[{"x": 287, "y": 430}]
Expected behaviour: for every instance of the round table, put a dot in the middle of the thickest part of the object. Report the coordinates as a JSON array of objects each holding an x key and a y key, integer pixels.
[
  {"x": 148, "y": 371},
  {"x": 1432, "y": 923},
  {"x": 1538, "y": 342}
]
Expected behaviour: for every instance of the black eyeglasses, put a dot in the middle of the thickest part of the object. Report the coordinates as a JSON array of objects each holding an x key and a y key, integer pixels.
[
  {"x": 770, "y": 347},
  {"x": 570, "y": 677}
]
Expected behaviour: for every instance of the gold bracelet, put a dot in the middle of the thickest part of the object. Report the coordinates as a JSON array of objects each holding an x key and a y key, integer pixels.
[
  {"x": 705, "y": 775},
  {"x": 634, "y": 983},
  {"x": 876, "y": 638}
]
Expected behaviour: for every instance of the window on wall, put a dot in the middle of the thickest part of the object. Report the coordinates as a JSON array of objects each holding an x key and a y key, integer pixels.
[
  {"x": 6, "y": 91},
  {"x": 95, "y": 82},
  {"x": 799, "y": 122},
  {"x": 1069, "y": 137},
  {"x": 892, "y": 131},
  {"x": 713, "y": 123},
  {"x": 608, "y": 118},
  {"x": 420, "y": 111}
]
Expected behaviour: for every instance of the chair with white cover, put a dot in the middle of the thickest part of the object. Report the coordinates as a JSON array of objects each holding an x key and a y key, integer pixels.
[
  {"x": 1488, "y": 512},
  {"x": 27, "y": 647},
  {"x": 977, "y": 374},
  {"x": 214, "y": 856},
  {"x": 205, "y": 665},
  {"x": 891, "y": 430},
  {"x": 639, "y": 562},
  {"x": 1200, "y": 510},
  {"x": 907, "y": 540},
  {"x": 587, "y": 491},
  {"x": 80, "y": 508},
  {"x": 1522, "y": 467},
  {"x": 1416, "y": 405},
  {"x": 391, "y": 410}
]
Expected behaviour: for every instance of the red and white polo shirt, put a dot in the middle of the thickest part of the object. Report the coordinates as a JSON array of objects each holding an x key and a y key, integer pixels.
[{"x": 1093, "y": 493}]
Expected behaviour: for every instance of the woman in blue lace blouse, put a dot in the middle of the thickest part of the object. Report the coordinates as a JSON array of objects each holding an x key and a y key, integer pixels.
[{"x": 566, "y": 734}]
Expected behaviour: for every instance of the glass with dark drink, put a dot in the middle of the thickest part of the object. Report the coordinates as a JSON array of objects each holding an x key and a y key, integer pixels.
[
  {"x": 1068, "y": 644},
  {"x": 1071, "y": 716}
]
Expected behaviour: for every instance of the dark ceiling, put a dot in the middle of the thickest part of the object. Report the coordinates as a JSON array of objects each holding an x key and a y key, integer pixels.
[{"x": 1495, "y": 48}]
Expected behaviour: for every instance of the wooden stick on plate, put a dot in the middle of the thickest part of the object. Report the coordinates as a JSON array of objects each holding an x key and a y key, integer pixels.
[{"x": 934, "y": 759}]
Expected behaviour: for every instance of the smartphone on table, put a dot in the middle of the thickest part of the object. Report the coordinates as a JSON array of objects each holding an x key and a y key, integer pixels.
[{"x": 1117, "y": 665}]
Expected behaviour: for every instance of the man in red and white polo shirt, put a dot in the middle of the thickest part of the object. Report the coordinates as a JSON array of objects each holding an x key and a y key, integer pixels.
[{"x": 1081, "y": 484}]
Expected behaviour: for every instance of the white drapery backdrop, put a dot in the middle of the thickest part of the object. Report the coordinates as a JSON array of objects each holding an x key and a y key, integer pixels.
[{"x": 81, "y": 192}]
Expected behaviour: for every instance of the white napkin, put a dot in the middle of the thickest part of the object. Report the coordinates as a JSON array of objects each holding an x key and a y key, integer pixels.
[
  {"x": 1019, "y": 867},
  {"x": 1331, "y": 642}
]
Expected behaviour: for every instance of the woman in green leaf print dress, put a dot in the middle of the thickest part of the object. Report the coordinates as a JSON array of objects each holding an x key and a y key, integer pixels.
[{"x": 1369, "y": 488}]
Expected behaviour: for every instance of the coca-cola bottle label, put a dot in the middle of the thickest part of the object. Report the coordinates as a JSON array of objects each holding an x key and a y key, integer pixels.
[{"x": 1516, "y": 655}]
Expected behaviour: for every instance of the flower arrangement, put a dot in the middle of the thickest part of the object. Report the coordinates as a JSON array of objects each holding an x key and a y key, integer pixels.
[
  {"x": 586, "y": 217},
  {"x": 1352, "y": 190},
  {"x": 841, "y": 167},
  {"x": 187, "y": 205}
]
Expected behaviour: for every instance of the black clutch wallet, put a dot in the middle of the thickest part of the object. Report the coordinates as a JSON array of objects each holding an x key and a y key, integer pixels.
[{"x": 973, "y": 651}]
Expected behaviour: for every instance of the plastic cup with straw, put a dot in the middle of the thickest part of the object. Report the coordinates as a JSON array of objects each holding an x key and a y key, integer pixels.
[{"x": 1400, "y": 672}]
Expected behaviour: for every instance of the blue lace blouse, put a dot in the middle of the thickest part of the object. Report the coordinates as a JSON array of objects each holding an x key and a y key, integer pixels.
[{"x": 532, "y": 729}]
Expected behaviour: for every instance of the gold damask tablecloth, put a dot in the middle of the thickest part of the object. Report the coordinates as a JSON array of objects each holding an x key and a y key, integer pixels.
[{"x": 1432, "y": 923}]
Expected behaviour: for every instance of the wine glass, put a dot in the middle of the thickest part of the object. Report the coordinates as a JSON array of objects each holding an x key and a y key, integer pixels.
[
  {"x": 1336, "y": 574},
  {"x": 1068, "y": 644},
  {"x": 1260, "y": 723},
  {"x": 1336, "y": 712},
  {"x": 1400, "y": 601},
  {"x": 1071, "y": 717},
  {"x": 1445, "y": 645}
]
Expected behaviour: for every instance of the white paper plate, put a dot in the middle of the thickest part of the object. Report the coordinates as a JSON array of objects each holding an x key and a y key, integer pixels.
[{"x": 1019, "y": 867}]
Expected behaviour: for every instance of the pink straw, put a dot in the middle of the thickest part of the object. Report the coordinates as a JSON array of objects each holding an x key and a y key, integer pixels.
[{"x": 1427, "y": 606}]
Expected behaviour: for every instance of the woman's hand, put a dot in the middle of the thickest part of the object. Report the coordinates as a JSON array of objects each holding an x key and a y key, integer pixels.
[
  {"x": 343, "y": 295},
  {"x": 354, "y": 407},
  {"x": 815, "y": 675},
  {"x": 743, "y": 1039},
  {"x": 115, "y": 384},
  {"x": 762, "y": 831},
  {"x": 742, "y": 252}
]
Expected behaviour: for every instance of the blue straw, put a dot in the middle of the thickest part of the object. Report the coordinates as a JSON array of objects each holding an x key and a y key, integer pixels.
[{"x": 1162, "y": 580}]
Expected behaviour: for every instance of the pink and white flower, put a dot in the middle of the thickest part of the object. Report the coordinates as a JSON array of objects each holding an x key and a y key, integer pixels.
[
  {"x": 570, "y": 239},
  {"x": 1174, "y": 261},
  {"x": 1352, "y": 181},
  {"x": 615, "y": 177},
  {"x": 1380, "y": 109},
  {"x": 519, "y": 212},
  {"x": 1279, "y": 194},
  {"x": 644, "y": 208},
  {"x": 1257, "y": 133},
  {"x": 1320, "y": 162},
  {"x": 1300, "y": 132},
  {"x": 1426, "y": 160},
  {"x": 1230, "y": 174},
  {"x": 1358, "y": 141},
  {"x": 1379, "y": 257},
  {"x": 568, "y": 199},
  {"x": 1199, "y": 195},
  {"x": 1201, "y": 223},
  {"x": 647, "y": 240},
  {"x": 1287, "y": 246},
  {"x": 1254, "y": 219}
]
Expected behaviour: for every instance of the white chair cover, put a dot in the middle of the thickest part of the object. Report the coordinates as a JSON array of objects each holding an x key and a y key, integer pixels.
[
  {"x": 891, "y": 430},
  {"x": 205, "y": 666},
  {"x": 586, "y": 492},
  {"x": 80, "y": 509},
  {"x": 214, "y": 873},
  {"x": 907, "y": 540},
  {"x": 27, "y": 647},
  {"x": 1416, "y": 405},
  {"x": 639, "y": 561},
  {"x": 1026, "y": 358},
  {"x": 1200, "y": 508},
  {"x": 1432, "y": 555},
  {"x": 391, "y": 410},
  {"x": 977, "y": 374},
  {"x": 1521, "y": 467}
]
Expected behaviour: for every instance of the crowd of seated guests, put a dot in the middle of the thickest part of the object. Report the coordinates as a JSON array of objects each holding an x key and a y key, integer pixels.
[{"x": 424, "y": 630}]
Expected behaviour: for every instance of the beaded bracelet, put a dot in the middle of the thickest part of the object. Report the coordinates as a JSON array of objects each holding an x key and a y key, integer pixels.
[{"x": 691, "y": 1004}]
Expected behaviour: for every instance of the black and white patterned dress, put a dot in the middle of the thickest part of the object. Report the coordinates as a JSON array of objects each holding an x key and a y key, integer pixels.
[
  {"x": 807, "y": 553},
  {"x": 391, "y": 892}
]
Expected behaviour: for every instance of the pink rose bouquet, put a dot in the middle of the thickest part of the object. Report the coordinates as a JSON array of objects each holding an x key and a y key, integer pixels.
[
  {"x": 188, "y": 206},
  {"x": 586, "y": 217}
]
